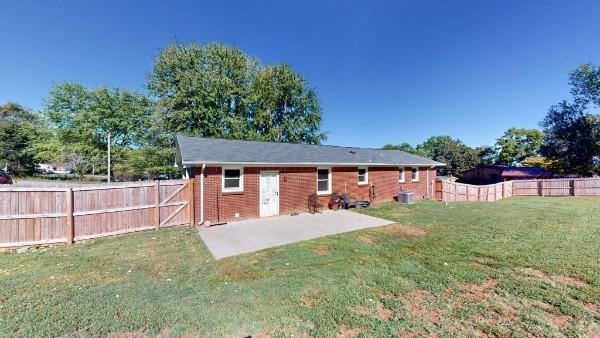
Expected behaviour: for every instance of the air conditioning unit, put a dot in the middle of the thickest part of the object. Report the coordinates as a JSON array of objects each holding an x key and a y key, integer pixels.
[{"x": 406, "y": 197}]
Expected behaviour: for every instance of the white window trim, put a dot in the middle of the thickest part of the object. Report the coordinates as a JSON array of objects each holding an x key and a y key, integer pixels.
[
  {"x": 403, "y": 178},
  {"x": 415, "y": 179},
  {"x": 240, "y": 188},
  {"x": 328, "y": 192},
  {"x": 366, "y": 176}
]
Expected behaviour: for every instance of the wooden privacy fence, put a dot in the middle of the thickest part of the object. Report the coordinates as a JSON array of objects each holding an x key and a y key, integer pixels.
[
  {"x": 452, "y": 191},
  {"x": 558, "y": 187},
  {"x": 34, "y": 216}
]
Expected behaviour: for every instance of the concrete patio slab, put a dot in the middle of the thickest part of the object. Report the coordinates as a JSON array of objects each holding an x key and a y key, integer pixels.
[{"x": 246, "y": 236}]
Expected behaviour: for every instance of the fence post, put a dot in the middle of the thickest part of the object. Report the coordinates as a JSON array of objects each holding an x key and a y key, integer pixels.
[
  {"x": 503, "y": 188},
  {"x": 572, "y": 187},
  {"x": 541, "y": 187},
  {"x": 157, "y": 201},
  {"x": 69, "y": 223}
]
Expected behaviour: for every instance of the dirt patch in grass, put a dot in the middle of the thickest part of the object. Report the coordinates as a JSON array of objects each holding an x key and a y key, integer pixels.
[
  {"x": 533, "y": 273},
  {"x": 262, "y": 335},
  {"x": 591, "y": 308},
  {"x": 482, "y": 261},
  {"x": 564, "y": 280},
  {"x": 311, "y": 298},
  {"x": 191, "y": 335},
  {"x": 416, "y": 332},
  {"x": 128, "y": 334},
  {"x": 562, "y": 322},
  {"x": 361, "y": 310},
  {"x": 348, "y": 332},
  {"x": 418, "y": 306},
  {"x": 383, "y": 313},
  {"x": 230, "y": 271},
  {"x": 367, "y": 239},
  {"x": 405, "y": 230},
  {"x": 469, "y": 309},
  {"x": 481, "y": 292},
  {"x": 379, "y": 311},
  {"x": 321, "y": 250},
  {"x": 570, "y": 281}
]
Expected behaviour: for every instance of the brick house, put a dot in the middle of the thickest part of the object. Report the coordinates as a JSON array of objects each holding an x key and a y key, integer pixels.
[{"x": 235, "y": 179}]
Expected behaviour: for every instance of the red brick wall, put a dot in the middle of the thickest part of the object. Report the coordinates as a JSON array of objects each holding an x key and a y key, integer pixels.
[{"x": 295, "y": 185}]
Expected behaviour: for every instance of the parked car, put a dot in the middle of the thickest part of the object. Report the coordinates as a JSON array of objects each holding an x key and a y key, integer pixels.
[{"x": 4, "y": 178}]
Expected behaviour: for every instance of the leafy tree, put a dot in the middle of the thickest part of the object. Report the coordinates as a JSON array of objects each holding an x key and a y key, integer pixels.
[
  {"x": 406, "y": 147},
  {"x": 517, "y": 144},
  {"x": 585, "y": 84},
  {"x": 68, "y": 111},
  {"x": 216, "y": 90},
  {"x": 19, "y": 127},
  {"x": 486, "y": 154},
  {"x": 457, "y": 156},
  {"x": 85, "y": 120},
  {"x": 203, "y": 90},
  {"x": 145, "y": 163},
  {"x": 283, "y": 108},
  {"x": 572, "y": 139},
  {"x": 573, "y": 129}
]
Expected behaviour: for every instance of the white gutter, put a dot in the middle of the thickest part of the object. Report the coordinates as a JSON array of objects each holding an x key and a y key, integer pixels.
[{"x": 202, "y": 194}]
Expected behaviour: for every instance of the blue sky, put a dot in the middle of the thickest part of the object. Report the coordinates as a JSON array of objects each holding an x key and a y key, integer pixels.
[{"x": 386, "y": 72}]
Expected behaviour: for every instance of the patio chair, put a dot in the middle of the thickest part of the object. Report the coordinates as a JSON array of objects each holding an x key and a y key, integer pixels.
[{"x": 314, "y": 205}]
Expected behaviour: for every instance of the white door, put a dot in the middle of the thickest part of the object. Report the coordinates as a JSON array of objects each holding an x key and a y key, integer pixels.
[{"x": 269, "y": 193}]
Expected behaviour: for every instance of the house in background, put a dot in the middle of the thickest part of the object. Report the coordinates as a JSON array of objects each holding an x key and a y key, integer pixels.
[
  {"x": 489, "y": 174},
  {"x": 237, "y": 179}
]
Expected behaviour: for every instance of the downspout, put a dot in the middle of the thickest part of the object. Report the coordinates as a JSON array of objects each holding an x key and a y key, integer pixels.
[
  {"x": 202, "y": 193},
  {"x": 428, "y": 183}
]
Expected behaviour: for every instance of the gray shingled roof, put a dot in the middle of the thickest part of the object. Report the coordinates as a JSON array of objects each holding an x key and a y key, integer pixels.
[{"x": 198, "y": 150}]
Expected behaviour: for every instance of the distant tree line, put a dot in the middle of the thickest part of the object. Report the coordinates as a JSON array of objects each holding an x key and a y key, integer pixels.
[
  {"x": 568, "y": 142},
  {"x": 212, "y": 90}
]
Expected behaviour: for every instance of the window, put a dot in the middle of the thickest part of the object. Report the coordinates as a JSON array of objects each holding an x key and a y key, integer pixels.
[
  {"x": 323, "y": 181},
  {"x": 233, "y": 179},
  {"x": 363, "y": 176},
  {"x": 415, "y": 174},
  {"x": 401, "y": 175}
]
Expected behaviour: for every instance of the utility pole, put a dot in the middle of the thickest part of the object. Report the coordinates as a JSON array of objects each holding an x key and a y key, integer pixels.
[{"x": 108, "y": 157}]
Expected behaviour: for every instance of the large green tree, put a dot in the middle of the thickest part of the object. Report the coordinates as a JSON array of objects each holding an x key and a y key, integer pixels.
[
  {"x": 215, "y": 90},
  {"x": 406, "y": 147},
  {"x": 457, "y": 156},
  {"x": 282, "y": 108},
  {"x": 19, "y": 127},
  {"x": 572, "y": 129},
  {"x": 517, "y": 144},
  {"x": 87, "y": 121}
]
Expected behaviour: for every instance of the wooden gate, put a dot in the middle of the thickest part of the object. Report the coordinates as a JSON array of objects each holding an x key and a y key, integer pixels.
[{"x": 33, "y": 216}]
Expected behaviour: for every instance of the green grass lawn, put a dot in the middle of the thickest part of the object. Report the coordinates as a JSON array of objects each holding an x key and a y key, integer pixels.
[{"x": 521, "y": 266}]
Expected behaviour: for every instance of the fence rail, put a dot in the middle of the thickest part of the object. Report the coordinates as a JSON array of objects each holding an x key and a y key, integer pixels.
[
  {"x": 35, "y": 216},
  {"x": 453, "y": 191}
]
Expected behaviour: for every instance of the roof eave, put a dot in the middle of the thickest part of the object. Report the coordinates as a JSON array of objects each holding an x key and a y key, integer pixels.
[{"x": 194, "y": 163}]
